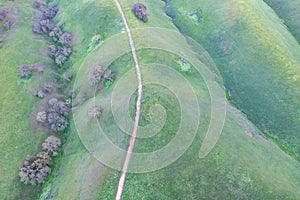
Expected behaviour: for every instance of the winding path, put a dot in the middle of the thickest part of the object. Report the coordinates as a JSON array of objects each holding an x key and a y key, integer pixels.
[{"x": 138, "y": 105}]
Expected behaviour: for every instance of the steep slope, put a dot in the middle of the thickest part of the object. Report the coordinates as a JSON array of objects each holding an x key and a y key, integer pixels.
[
  {"x": 289, "y": 12},
  {"x": 258, "y": 58},
  {"x": 242, "y": 165}
]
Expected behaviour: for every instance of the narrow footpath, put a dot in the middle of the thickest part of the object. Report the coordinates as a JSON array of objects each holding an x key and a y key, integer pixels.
[{"x": 138, "y": 105}]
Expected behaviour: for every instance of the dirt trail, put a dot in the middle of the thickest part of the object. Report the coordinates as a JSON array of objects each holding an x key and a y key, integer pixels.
[{"x": 138, "y": 105}]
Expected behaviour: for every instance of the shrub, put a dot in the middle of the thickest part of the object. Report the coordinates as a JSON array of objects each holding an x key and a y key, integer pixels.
[
  {"x": 56, "y": 114},
  {"x": 45, "y": 90},
  {"x": 57, "y": 122},
  {"x": 51, "y": 145},
  {"x": 98, "y": 74},
  {"x": 67, "y": 76},
  {"x": 59, "y": 36},
  {"x": 35, "y": 168},
  {"x": 140, "y": 11},
  {"x": 39, "y": 67},
  {"x": 95, "y": 111},
  {"x": 48, "y": 12},
  {"x": 95, "y": 42},
  {"x": 41, "y": 116},
  {"x": 108, "y": 74},
  {"x": 3, "y": 14},
  {"x": 7, "y": 19},
  {"x": 25, "y": 71},
  {"x": 70, "y": 93},
  {"x": 59, "y": 54},
  {"x": 39, "y": 93},
  {"x": 43, "y": 26},
  {"x": 44, "y": 23}
]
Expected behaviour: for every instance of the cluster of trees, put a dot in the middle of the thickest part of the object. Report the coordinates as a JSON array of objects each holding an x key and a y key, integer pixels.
[
  {"x": 34, "y": 169},
  {"x": 44, "y": 22},
  {"x": 55, "y": 116},
  {"x": 140, "y": 11},
  {"x": 60, "y": 50}
]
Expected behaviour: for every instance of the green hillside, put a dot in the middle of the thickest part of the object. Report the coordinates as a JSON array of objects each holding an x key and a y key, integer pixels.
[
  {"x": 193, "y": 54},
  {"x": 258, "y": 58}
]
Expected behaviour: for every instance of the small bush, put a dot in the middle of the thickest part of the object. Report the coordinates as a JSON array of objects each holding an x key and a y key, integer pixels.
[
  {"x": 41, "y": 116},
  {"x": 98, "y": 74},
  {"x": 56, "y": 114},
  {"x": 35, "y": 169},
  {"x": 44, "y": 24},
  {"x": 59, "y": 54},
  {"x": 95, "y": 42},
  {"x": 25, "y": 71},
  {"x": 51, "y": 145},
  {"x": 95, "y": 111},
  {"x": 140, "y": 11},
  {"x": 57, "y": 122},
  {"x": 3, "y": 14},
  {"x": 67, "y": 76},
  {"x": 61, "y": 37},
  {"x": 39, "y": 67},
  {"x": 45, "y": 90},
  {"x": 48, "y": 12},
  {"x": 7, "y": 19}
]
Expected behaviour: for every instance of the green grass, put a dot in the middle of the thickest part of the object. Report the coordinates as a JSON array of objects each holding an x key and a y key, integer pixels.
[
  {"x": 238, "y": 167},
  {"x": 77, "y": 167},
  {"x": 288, "y": 11},
  {"x": 257, "y": 57},
  {"x": 18, "y": 136}
]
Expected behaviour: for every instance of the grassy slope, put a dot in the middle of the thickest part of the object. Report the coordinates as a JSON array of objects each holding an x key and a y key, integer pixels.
[
  {"x": 258, "y": 58},
  {"x": 239, "y": 165},
  {"x": 78, "y": 168},
  {"x": 17, "y": 138},
  {"x": 288, "y": 11}
]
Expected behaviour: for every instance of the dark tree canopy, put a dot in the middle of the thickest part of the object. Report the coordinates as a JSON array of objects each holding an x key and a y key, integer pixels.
[
  {"x": 59, "y": 54},
  {"x": 51, "y": 145},
  {"x": 44, "y": 23},
  {"x": 35, "y": 168},
  {"x": 140, "y": 11}
]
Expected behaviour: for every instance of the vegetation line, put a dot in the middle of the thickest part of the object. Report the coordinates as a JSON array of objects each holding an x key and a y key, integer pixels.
[{"x": 138, "y": 105}]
